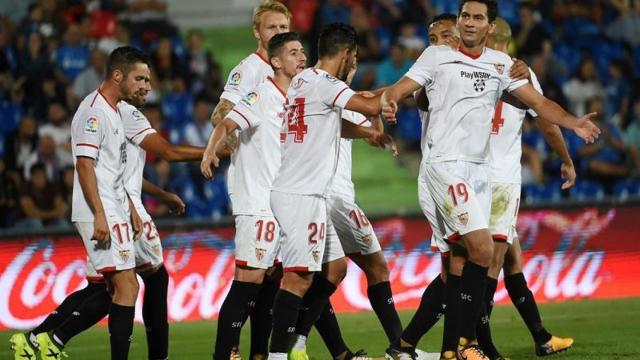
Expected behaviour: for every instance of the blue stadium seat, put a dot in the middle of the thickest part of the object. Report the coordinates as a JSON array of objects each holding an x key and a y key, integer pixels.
[
  {"x": 570, "y": 57},
  {"x": 384, "y": 38},
  {"x": 579, "y": 28},
  {"x": 636, "y": 59},
  {"x": 177, "y": 109},
  {"x": 624, "y": 189},
  {"x": 536, "y": 193},
  {"x": 587, "y": 190},
  {"x": 1, "y": 145},
  {"x": 409, "y": 125}
]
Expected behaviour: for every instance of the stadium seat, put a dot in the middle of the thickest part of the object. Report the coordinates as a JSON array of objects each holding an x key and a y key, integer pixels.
[
  {"x": 587, "y": 190},
  {"x": 624, "y": 189},
  {"x": 537, "y": 193},
  {"x": 177, "y": 109},
  {"x": 11, "y": 114}
]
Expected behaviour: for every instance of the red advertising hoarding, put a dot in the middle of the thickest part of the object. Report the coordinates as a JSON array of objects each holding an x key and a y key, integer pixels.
[{"x": 567, "y": 255}]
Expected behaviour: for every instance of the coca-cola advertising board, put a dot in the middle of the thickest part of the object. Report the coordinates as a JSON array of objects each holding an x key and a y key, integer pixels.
[{"x": 588, "y": 253}]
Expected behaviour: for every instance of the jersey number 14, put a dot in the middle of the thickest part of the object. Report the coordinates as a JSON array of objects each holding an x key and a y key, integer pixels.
[{"x": 295, "y": 121}]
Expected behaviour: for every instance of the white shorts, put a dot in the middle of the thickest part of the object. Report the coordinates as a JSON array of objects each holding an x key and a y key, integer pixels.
[
  {"x": 148, "y": 247},
  {"x": 120, "y": 255},
  {"x": 429, "y": 210},
  {"x": 332, "y": 247},
  {"x": 462, "y": 195},
  {"x": 352, "y": 226},
  {"x": 303, "y": 227},
  {"x": 505, "y": 204},
  {"x": 257, "y": 241}
]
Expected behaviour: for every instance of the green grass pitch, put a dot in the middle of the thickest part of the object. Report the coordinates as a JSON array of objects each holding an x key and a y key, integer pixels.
[{"x": 603, "y": 329}]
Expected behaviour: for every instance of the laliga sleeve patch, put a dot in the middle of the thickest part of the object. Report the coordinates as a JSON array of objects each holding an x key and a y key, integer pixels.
[
  {"x": 331, "y": 79},
  {"x": 250, "y": 98},
  {"x": 137, "y": 115},
  {"x": 91, "y": 125},
  {"x": 235, "y": 78}
]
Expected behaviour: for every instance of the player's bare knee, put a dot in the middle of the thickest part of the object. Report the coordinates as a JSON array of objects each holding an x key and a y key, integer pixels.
[
  {"x": 497, "y": 260},
  {"x": 335, "y": 271},
  {"x": 297, "y": 282},
  {"x": 481, "y": 253},
  {"x": 249, "y": 274}
]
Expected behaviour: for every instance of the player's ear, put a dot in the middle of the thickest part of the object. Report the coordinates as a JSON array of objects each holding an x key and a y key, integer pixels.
[
  {"x": 256, "y": 33},
  {"x": 275, "y": 62},
  {"x": 492, "y": 28},
  {"x": 118, "y": 75}
]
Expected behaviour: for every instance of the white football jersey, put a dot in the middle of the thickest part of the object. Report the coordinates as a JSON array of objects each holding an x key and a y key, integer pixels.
[
  {"x": 136, "y": 128},
  {"x": 246, "y": 76},
  {"x": 97, "y": 133},
  {"x": 424, "y": 146},
  {"x": 463, "y": 93},
  {"x": 342, "y": 184},
  {"x": 506, "y": 140},
  {"x": 311, "y": 133},
  {"x": 259, "y": 115}
]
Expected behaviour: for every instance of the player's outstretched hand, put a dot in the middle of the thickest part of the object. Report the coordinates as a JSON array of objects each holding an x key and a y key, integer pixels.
[
  {"x": 176, "y": 205},
  {"x": 384, "y": 141},
  {"x": 519, "y": 70},
  {"x": 568, "y": 172},
  {"x": 101, "y": 231},
  {"x": 586, "y": 129},
  {"x": 389, "y": 110},
  {"x": 209, "y": 160}
]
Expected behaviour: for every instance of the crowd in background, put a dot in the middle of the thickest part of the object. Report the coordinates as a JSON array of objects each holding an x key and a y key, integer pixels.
[{"x": 585, "y": 53}]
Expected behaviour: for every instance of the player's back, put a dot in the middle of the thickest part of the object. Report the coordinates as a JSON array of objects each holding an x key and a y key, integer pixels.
[
  {"x": 260, "y": 114},
  {"x": 506, "y": 140},
  {"x": 311, "y": 133},
  {"x": 97, "y": 133}
]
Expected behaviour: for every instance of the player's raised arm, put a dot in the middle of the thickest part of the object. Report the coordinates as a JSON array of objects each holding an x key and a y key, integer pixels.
[
  {"x": 548, "y": 109},
  {"x": 220, "y": 134},
  {"x": 156, "y": 144}
]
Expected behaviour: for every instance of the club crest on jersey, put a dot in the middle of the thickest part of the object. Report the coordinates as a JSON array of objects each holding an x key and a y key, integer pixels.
[
  {"x": 299, "y": 83},
  {"x": 235, "y": 78},
  {"x": 499, "y": 68},
  {"x": 260, "y": 253},
  {"x": 464, "y": 218},
  {"x": 367, "y": 239},
  {"x": 124, "y": 255},
  {"x": 316, "y": 256},
  {"x": 91, "y": 125},
  {"x": 250, "y": 98}
]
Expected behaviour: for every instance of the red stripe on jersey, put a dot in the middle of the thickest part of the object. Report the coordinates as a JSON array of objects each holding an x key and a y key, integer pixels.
[
  {"x": 244, "y": 117},
  {"x": 263, "y": 59},
  {"x": 241, "y": 262},
  {"x": 88, "y": 145},
  {"x": 500, "y": 238},
  {"x": 140, "y": 132},
  {"x": 337, "y": 96},
  {"x": 107, "y": 269},
  {"x": 363, "y": 122},
  {"x": 95, "y": 279},
  {"x": 454, "y": 237},
  {"x": 94, "y": 99},
  {"x": 277, "y": 87},
  {"x": 141, "y": 266},
  {"x": 296, "y": 269},
  {"x": 473, "y": 56},
  {"x": 105, "y": 99}
]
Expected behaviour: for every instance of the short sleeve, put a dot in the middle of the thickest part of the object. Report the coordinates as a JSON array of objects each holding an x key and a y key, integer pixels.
[
  {"x": 536, "y": 85},
  {"x": 88, "y": 131},
  {"x": 513, "y": 85},
  {"x": 247, "y": 112},
  {"x": 136, "y": 125},
  {"x": 424, "y": 69},
  {"x": 334, "y": 92},
  {"x": 241, "y": 80},
  {"x": 356, "y": 118}
]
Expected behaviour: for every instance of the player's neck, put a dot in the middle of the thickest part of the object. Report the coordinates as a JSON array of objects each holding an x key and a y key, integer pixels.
[
  {"x": 332, "y": 66},
  {"x": 472, "y": 51},
  {"x": 282, "y": 81},
  {"x": 262, "y": 52},
  {"x": 110, "y": 93}
]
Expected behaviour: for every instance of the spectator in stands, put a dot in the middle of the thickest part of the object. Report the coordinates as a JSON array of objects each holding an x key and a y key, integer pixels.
[
  {"x": 530, "y": 36},
  {"x": 91, "y": 78},
  {"x": 583, "y": 86},
  {"x": 121, "y": 37},
  {"x": 394, "y": 67},
  {"x": 20, "y": 146},
  {"x": 198, "y": 61},
  {"x": 618, "y": 90},
  {"x": 334, "y": 11},
  {"x": 44, "y": 92},
  {"x": 72, "y": 57},
  {"x": 213, "y": 84},
  {"x": 609, "y": 158},
  {"x": 197, "y": 132},
  {"x": 148, "y": 19},
  {"x": 410, "y": 40},
  {"x": 58, "y": 126},
  {"x": 9, "y": 197},
  {"x": 543, "y": 68},
  {"x": 41, "y": 201},
  {"x": 627, "y": 26},
  {"x": 53, "y": 158},
  {"x": 632, "y": 134},
  {"x": 35, "y": 62},
  {"x": 165, "y": 63},
  {"x": 66, "y": 186}
]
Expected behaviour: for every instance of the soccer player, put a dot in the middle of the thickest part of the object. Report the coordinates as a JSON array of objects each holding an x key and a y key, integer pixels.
[
  {"x": 506, "y": 150},
  {"x": 86, "y": 307},
  {"x": 358, "y": 240},
  {"x": 309, "y": 161},
  {"x": 270, "y": 17},
  {"x": 462, "y": 88},
  {"x": 259, "y": 117}
]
